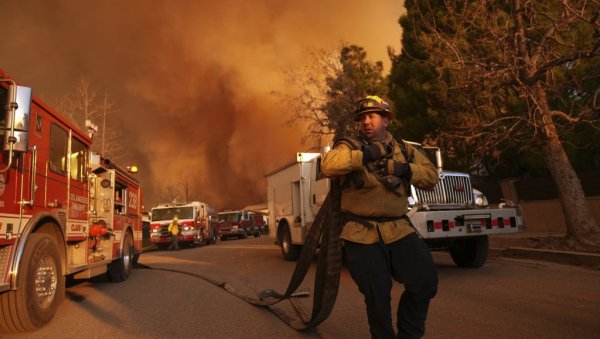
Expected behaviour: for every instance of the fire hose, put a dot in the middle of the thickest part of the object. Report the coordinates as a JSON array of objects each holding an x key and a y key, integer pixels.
[{"x": 323, "y": 235}]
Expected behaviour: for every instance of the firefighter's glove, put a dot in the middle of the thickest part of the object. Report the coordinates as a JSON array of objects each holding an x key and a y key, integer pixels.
[
  {"x": 375, "y": 151},
  {"x": 391, "y": 182},
  {"x": 385, "y": 167}
]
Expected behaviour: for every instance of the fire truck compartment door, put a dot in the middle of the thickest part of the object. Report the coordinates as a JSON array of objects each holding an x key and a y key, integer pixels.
[
  {"x": 105, "y": 189},
  {"x": 318, "y": 193}
]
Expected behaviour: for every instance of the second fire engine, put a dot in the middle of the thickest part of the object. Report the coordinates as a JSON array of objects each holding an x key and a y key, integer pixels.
[
  {"x": 197, "y": 224},
  {"x": 240, "y": 224}
]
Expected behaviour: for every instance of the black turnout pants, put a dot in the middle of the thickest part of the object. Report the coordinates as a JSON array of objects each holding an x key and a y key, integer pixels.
[
  {"x": 407, "y": 261},
  {"x": 174, "y": 243}
]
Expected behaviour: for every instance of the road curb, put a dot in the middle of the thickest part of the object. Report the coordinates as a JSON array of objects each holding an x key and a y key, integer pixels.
[{"x": 590, "y": 260}]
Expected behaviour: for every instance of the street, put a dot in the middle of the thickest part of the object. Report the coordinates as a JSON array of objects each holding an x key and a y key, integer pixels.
[
  {"x": 506, "y": 298},
  {"x": 132, "y": 125}
]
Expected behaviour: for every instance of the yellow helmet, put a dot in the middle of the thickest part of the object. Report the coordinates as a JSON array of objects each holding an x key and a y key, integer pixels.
[
  {"x": 175, "y": 218},
  {"x": 372, "y": 103}
]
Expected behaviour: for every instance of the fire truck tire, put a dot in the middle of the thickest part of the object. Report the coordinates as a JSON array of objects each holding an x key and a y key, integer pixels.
[
  {"x": 120, "y": 269},
  {"x": 290, "y": 251},
  {"x": 470, "y": 252},
  {"x": 41, "y": 287}
]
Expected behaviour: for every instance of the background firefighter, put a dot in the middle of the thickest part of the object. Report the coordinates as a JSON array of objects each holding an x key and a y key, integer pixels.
[
  {"x": 174, "y": 231},
  {"x": 380, "y": 243}
]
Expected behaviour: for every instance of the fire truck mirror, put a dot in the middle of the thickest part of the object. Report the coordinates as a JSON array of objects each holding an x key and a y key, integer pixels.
[
  {"x": 95, "y": 164},
  {"x": 19, "y": 116}
]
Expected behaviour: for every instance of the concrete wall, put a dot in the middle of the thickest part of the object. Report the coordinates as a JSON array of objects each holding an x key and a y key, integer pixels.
[{"x": 548, "y": 216}]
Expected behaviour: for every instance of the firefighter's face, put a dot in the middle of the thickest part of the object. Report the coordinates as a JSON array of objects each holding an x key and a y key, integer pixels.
[{"x": 373, "y": 125}]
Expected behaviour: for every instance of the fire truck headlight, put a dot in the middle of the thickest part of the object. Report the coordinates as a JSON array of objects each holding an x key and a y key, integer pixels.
[
  {"x": 186, "y": 228},
  {"x": 155, "y": 230}
]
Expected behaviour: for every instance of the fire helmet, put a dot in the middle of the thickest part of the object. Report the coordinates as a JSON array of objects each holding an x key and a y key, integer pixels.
[
  {"x": 175, "y": 218},
  {"x": 372, "y": 103}
]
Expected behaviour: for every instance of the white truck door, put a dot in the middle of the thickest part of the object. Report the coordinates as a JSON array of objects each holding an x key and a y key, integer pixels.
[{"x": 319, "y": 187}]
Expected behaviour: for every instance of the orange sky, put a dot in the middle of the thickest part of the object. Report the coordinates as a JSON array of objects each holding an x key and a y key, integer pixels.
[{"x": 190, "y": 79}]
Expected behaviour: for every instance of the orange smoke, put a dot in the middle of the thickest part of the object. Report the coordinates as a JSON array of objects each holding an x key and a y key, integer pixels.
[{"x": 190, "y": 80}]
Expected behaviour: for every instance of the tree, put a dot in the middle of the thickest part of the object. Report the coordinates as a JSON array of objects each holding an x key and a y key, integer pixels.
[
  {"x": 83, "y": 106},
  {"x": 182, "y": 188},
  {"x": 414, "y": 84},
  {"x": 323, "y": 92},
  {"x": 109, "y": 141},
  {"x": 80, "y": 106},
  {"x": 513, "y": 76}
]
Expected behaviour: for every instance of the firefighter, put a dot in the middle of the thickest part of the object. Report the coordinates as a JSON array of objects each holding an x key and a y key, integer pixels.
[
  {"x": 174, "y": 231},
  {"x": 379, "y": 242}
]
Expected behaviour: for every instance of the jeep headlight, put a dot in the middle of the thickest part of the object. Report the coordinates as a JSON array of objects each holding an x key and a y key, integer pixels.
[{"x": 480, "y": 199}]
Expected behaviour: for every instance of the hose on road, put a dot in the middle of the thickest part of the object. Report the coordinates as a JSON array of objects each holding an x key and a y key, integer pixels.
[{"x": 323, "y": 235}]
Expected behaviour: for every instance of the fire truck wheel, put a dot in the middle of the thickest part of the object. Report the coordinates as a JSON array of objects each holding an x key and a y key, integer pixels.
[
  {"x": 470, "y": 252},
  {"x": 41, "y": 287},
  {"x": 120, "y": 269},
  {"x": 288, "y": 249}
]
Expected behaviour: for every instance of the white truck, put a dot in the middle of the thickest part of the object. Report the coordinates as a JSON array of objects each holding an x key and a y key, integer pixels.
[{"x": 453, "y": 216}]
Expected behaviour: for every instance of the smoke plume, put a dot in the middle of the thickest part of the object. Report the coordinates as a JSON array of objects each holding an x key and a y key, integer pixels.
[{"x": 190, "y": 79}]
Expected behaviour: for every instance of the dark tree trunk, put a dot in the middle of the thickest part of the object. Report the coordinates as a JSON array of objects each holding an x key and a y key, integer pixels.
[{"x": 578, "y": 214}]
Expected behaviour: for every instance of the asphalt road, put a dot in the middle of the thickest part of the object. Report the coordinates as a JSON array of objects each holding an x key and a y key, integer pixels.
[{"x": 506, "y": 298}]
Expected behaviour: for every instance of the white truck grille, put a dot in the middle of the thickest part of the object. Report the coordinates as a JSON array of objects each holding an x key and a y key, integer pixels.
[{"x": 453, "y": 189}]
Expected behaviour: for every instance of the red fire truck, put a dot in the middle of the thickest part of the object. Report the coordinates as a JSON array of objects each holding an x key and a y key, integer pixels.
[
  {"x": 63, "y": 211},
  {"x": 197, "y": 224},
  {"x": 240, "y": 224}
]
